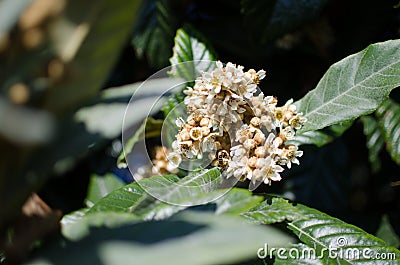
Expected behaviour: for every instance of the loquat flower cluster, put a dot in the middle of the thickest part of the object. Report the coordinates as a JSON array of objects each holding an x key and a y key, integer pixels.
[{"x": 243, "y": 133}]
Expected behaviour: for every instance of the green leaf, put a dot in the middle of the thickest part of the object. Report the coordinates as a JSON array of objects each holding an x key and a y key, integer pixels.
[
  {"x": 155, "y": 31},
  {"x": 387, "y": 233},
  {"x": 121, "y": 200},
  {"x": 323, "y": 232},
  {"x": 190, "y": 56},
  {"x": 389, "y": 122},
  {"x": 352, "y": 87},
  {"x": 162, "y": 196},
  {"x": 195, "y": 189},
  {"x": 188, "y": 238},
  {"x": 100, "y": 186},
  {"x": 276, "y": 211},
  {"x": 375, "y": 141},
  {"x": 237, "y": 201}
]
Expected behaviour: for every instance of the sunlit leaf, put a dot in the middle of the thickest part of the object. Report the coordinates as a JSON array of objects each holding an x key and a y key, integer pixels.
[
  {"x": 195, "y": 189},
  {"x": 352, "y": 87},
  {"x": 190, "y": 56},
  {"x": 121, "y": 200},
  {"x": 237, "y": 201},
  {"x": 275, "y": 211}
]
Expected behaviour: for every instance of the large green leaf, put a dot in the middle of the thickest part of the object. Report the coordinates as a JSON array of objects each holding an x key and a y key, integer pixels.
[
  {"x": 325, "y": 233},
  {"x": 121, "y": 200},
  {"x": 195, "y": 189},
  {"x": 134, "y": 204},
  {"x": 375, "y": 141},
  {"x": 237, "y": 201},
  {"x": 352, "y": 87},
  {"x": 162, "y": 196},
  {"x": 188, "y": 238},
  {"x": 190, "y": 56},
  {"x": 389, "y": 122}
]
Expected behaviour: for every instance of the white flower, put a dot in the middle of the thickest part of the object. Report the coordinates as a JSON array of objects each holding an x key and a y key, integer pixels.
[
  {"x": 261, "y": 74},
  {"x": 287, "y": 133},
  {"x": 297, "y": 121},
  {"x": 266, "y": 170},
  {"x": 292, "y": 154},
  {"x": 196, "y": 133}
]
